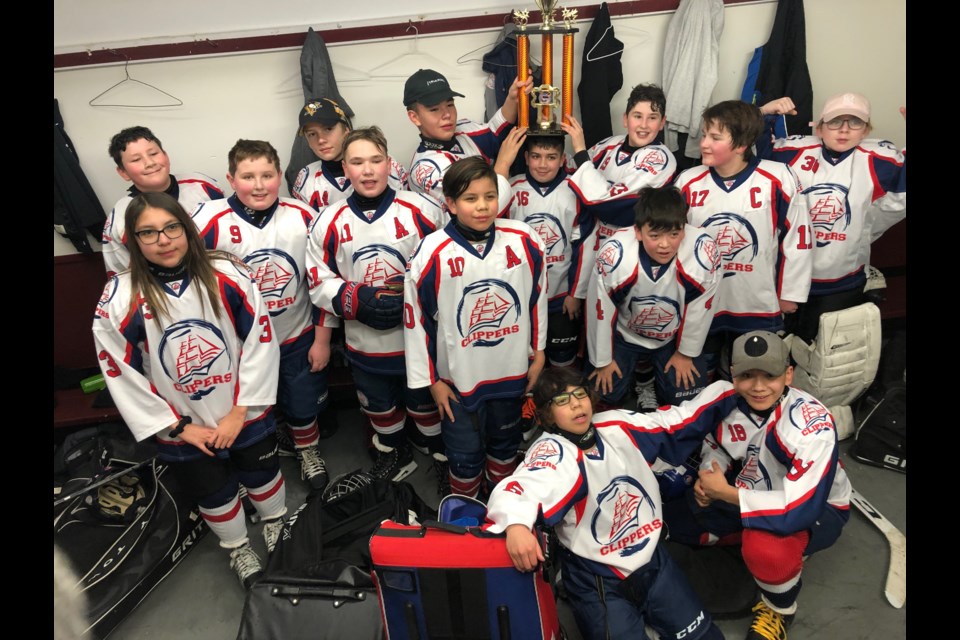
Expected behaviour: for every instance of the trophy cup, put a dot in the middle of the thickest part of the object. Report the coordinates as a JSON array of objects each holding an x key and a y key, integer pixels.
[{"x": 553, "y": 103}]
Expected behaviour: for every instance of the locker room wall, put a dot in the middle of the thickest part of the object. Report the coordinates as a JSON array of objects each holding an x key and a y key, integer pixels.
[{"x": 856, "y": 45}]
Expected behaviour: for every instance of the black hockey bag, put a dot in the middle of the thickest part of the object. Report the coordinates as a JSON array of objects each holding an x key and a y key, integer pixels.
[
  {"x": 882, "y": 434},
  {"x": 317, "y": 583},
  {"x": 124, "y": 533}
]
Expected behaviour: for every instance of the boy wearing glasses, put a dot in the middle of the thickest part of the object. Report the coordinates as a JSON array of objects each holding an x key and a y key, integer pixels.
[
  {"x": 856, "y": 189},
  {"x": 590, "y": 478},
  {"x": 269, "y": 234}
]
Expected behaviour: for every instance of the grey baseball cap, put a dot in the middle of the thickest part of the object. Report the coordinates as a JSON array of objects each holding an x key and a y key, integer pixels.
[{"x": 759, "y": 350}]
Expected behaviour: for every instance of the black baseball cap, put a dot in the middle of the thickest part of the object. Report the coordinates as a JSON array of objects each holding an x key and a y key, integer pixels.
[
  {"x": 322, "y": 111},
  {"x": 428, "y": 87}
]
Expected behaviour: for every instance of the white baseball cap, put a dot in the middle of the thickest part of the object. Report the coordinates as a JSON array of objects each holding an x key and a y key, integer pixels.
[{"x": 846, "y": 104}]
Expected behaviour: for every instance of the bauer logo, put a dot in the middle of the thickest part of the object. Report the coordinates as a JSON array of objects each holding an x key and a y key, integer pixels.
[
  {"x": 654, "y": 317},
  {"x": 829, "y": 212},
  {"x": 195, "y": 357},
  {"x": 277, "y": 276},
  {"x": 488, "y": 312},
  {"x": 625, "y": 517},
  {"x": 376, "y": 264},
  {"x": 552, "y": 233},
  {"x": 546, "y": 454},
  {"x": 609, "y": 256},
  {"x": 736, "y": 240}
]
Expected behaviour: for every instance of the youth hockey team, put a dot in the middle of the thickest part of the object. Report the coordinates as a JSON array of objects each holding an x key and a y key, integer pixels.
[{"x": 472, "y": 304}]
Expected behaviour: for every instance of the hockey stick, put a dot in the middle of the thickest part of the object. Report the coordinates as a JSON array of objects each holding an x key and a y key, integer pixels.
[
  {"x": 102, "y": 481},
  {"x": 896, "y": 587}
]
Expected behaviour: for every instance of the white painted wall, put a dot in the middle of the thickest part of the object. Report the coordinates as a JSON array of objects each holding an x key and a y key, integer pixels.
[{"x": 857, "y": 45}]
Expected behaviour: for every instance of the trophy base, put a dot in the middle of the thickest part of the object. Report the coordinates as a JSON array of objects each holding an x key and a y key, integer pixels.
[{"x": 534, "y": 130}]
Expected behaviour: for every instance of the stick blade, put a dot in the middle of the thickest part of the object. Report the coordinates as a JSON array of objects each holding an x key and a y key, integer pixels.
[{"x": 896, "y": 587}]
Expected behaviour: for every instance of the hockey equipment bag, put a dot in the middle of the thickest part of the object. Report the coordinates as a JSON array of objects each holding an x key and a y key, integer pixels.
[
  {"x": 123, "y": 537},
  {"x": 441, "y": 581},
  {"x": 882, "y": 435},
  {"x": 317, "y": 583}
]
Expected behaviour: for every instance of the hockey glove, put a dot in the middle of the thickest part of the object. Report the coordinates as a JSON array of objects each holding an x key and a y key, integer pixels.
[{"x": 376, "y": 307}]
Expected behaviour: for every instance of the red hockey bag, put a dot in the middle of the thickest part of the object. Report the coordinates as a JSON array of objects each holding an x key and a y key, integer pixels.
[{"x": 441, "y": 581}]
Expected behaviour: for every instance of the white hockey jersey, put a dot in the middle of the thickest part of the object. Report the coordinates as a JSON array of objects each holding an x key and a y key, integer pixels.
[
  {"x": 276, "y": 252},
  {"x": 852, "y": 201},
  {"x": 474, "y": 315},
  {"x": 347, "y": 246},
  {"x": 760, "y": 223},
  {"x": 553, "y": 211},
  {"x": 650, "y": 310},
  {"x": 200, "y": 365},
  {"x": 432, "y": 159},
  {"x": 190, "y": 189},
  {"x": 317, "y": 187},
  {"x": 608, "y": 187},
  {"x": 791, "y": 466},
  {"x": 604, "y": 503}
]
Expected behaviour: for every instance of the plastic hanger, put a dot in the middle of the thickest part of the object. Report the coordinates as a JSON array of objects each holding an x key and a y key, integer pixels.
[
  {"x": 93, "y": 101},
  {"x": 406, "y": 66}
]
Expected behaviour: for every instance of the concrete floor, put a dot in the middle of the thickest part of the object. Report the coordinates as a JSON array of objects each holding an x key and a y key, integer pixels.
[{"x": 842, "y": 596}]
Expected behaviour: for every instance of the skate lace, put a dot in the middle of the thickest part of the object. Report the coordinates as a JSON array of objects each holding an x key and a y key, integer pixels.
[
  {"x": 442, "y": 468},
  {"x": 311, "y": 464},
  {"x": 271, "y": 533},
  {"x": 386, "y": 462},
  {"x": 646, "y": 396},
  {"x": 767, "y": 623},
  {"x": 245, "y": 561}
]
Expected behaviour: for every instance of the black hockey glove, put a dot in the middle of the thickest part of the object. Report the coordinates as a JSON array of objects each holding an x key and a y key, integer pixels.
[{"x": 376, "y": 307}]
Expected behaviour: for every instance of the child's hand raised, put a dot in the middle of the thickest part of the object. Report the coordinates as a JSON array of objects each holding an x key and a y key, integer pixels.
[{"x": 780, "y": 106}]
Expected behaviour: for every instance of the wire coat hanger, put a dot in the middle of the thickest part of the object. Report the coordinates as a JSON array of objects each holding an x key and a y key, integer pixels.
[
  {"x": 177, "y": 102},
  {"x": 424, "y": 60},
  {"x": 598, "y": 43}
]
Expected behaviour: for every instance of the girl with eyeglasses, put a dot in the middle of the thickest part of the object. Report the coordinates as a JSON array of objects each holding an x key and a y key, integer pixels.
[
  {"x": 590, "y": 477},
  {"x": 856, "y": 188},
  {"x": 187, "y": 349}
]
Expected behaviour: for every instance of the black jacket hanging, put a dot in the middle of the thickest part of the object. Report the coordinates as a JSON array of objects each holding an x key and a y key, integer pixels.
[
  {"x": 601, "y": 79},
  {"x": 76, "y": 208},
  {"x": 316, "y": 76},
  {"x": 783, "y": 66}
]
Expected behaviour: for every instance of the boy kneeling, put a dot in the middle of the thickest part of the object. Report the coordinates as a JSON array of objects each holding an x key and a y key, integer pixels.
[{"x": 590, "y": 478}]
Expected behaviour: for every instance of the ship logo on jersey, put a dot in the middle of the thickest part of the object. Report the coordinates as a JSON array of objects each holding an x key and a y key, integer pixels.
[
  {"x": 301, "y": 179},
  {"x": 108, "y": 292},
  {"x": 707, "y": 253},
  {"x": 736, "y": 240},
  {"x": 552, "y": 233},
  {"x": 753, "y": 475},
  {"x": 277, "y": 276},
  {"x": 488, "y": 312},
  {"x": 377, "y": 264},
  {"x": 810, "y": 417},
  {"x": 653, "y": 161},
  {"x": 427, "y": 175},
  {"x": 655, "y": 317},
  {"x": 547, "y": 454},
  {"x": 829, "y": 212},
  {"x": 625, "y": 517},
  {"x": 194, "y": 356},
  {"x": 609, "y": 257}
]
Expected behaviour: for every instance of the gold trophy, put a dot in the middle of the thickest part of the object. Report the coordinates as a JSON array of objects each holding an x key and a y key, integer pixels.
[{"x": 553, "y": 103}]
